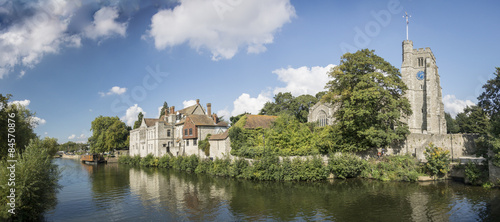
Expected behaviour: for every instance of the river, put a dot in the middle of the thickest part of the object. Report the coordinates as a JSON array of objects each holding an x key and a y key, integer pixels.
[{"x": 117, "y": 192}]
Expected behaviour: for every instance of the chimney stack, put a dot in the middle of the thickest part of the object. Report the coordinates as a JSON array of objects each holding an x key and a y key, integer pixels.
[
  {"x": 209, "y": 109},
  {"x": 197, "y": 101}
]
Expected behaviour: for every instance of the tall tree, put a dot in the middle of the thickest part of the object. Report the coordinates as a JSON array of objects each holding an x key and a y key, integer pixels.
[
  {"x": 137, "y": 123},
  {"x": 287, "y": 104},
  {"x": 162, "y": 111},
  {"x": 50, "y": 144},
  {"x": 489, "y": 100},
  {"x": 108, "y": 133},
  {"x": 370, "y": 95},
  {"x": 473, "y": 120},
  {"x": 23, "y": 122},
  {"x": 451, "y": 124}
]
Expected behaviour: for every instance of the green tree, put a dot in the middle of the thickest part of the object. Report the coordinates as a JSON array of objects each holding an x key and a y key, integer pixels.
[
  {"x": 235, "y": 119},
  {"x": 451, "y": 124},
  {"x": 108, "y": 133},
  {"x": 473, "y": 120},
  {"x": 370, "y": 95},
  {"x": 137, "y": 123},
  {"x": 23, "y": 125},
  {"x": 162, "y": 111},
  {"x": 320, "y": 95},
  {"x": 286, "y": 103},
  {"x": 489, "y": 101},
  {"x": 51, "y": 145}
]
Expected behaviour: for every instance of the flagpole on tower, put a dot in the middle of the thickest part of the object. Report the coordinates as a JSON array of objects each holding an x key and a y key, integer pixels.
[{"x": 407, "y": 21}]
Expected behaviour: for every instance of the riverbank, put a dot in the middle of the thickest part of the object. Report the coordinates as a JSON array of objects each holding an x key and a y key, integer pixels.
[{"x": 273, "y": 168}]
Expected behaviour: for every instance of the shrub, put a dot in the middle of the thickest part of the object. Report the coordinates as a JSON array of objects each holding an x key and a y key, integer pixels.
[
  {"x": 476, "y": 174},
  {"x": 204, "y": 166},
  {"x": 165, "y": 162},
  {"x": 438, "y": 160},
  {"x": 393, "y": 168},
  {"x": 36, "y": 184},
  {"x": 124, "y": 159},
  {"x": 149, "y": 160},
  {"x": 238, "y": 167},
  {"x": 346, "y": 165},
  {"x": 221, "y": 167}
]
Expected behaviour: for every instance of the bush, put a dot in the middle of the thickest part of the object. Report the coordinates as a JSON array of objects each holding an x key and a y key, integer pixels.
[
  {"x": 346, "y": 165},
  {"x": 149, "y": 161},
  {"x": 438, "y": 160},
  {"x": 165, "y": 162},
  {"x": 238, "y": 167},
  {"x": 36, "y": 184},
  {"x": 476, "y": 174},
  {"x": 221, "y": 167},
  {"x": 393, "y": 168},
  {"x": 204, "y": 166}
]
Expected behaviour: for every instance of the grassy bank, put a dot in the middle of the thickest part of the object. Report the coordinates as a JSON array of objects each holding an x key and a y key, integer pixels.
[{"x": 342, "y": 166}]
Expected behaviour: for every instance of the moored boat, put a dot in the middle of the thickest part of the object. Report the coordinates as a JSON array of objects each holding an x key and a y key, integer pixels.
[{"x": 93, "y": 159}]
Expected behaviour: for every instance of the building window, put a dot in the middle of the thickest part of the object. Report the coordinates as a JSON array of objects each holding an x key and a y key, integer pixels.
[
  {"x": 190, "y": 132},
  {"x": 185, "y": 132},
  {"x": 322, "y": 121},
  {"x": 187, "y": 142},
  {"x": 168, "y": 133},
  {"x": 194, "y": 142},
  {"x": 420, "y": 61}
]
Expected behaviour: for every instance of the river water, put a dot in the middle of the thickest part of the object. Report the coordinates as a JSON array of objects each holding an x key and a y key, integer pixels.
[{"x": 117, "y": 192}]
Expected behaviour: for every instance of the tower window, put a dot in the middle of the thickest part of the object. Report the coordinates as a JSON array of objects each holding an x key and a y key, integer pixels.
[{"x": 420, "y": 61}]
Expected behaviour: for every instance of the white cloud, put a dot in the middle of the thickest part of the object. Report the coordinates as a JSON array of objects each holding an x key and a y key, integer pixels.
[
  {"x": 82, "y": 136},
  {"x": 24, "y": 103},
  {"x": 188, "y": 103},
  {"x": 245, "y": 103},
  {"x": 131, "y": 114},
  {"x": 44, "y": 32},
  {"x": 224, "y": 113},
  {"x": 222, "y": 27},
  {"x": 453, "y": 106},
  {"x": 36, "y": 121},
  {"x": 105, "y": 24},
  {"x": 45, "y": 133},
  {"x": 159, "y": 110},
  {"x": 115, "y": 90},
  {"x": 73, "y": 136},
  {"x": 303, "y": 80}
]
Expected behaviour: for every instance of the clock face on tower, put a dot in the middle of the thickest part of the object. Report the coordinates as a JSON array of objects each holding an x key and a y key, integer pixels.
[{"x": 420, "y": 75}]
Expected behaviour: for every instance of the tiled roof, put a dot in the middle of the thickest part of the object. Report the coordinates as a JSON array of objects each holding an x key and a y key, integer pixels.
[
  {"x": 222, "y": 123},
  {"x": 220, "y": 136},
  {"x": 256, "y": 121},
  {"x": 202, "y": 120},
  {"x": 150, "y": 121},
  {"x": 189, "y": 110}
]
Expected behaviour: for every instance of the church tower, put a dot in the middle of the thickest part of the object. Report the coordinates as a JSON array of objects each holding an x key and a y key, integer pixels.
[{"x": 420, "y": 73}]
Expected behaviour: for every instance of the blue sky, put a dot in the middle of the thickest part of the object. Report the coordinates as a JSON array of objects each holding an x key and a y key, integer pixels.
[{"x": 71, "y": 61}]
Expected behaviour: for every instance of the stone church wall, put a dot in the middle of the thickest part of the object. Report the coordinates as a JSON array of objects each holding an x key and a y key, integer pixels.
[{"x": 458, "y": 144}]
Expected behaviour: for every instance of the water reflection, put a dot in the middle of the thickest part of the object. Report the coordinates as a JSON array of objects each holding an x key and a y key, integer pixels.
[{"x": 118, "y": 192}]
